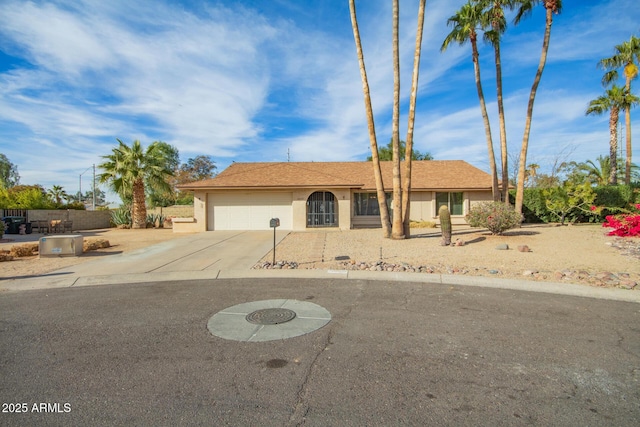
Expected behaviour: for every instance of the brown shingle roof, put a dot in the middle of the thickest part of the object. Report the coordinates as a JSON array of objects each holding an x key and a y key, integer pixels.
[{"x": 426, "y": 175}]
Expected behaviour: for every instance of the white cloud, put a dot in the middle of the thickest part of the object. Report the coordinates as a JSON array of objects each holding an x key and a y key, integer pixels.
[{"x": 248, "y": 83}]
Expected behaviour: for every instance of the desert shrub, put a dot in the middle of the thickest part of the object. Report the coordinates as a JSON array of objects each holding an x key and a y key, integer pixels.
[
  {"x": 497, "y": 217},
  {"x": 534, "y": 206},
  {"x": 28, "y": 249},
  {"x": 616, "y": 198},
  {"x": 92, "y": 245},
  {"x": 422, "y": 224}
]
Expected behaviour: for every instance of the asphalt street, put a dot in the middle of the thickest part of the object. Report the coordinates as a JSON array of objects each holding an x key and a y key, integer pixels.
[{"x": 394, "y": 353}]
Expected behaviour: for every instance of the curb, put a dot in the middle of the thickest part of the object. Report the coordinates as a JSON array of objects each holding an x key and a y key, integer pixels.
[{"x": 54, "y": 281}]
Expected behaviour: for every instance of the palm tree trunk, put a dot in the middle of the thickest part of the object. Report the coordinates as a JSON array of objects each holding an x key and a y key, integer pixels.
[
  {"x": 406, "y": 184},
  {"x": 527, "y": 127},
  {"x": 397, "y": 231},
  {"x": 382, "y": 199},
  {"x": 613, "y": 145},
  {"x": 139, "y": 214},
  {"x": 627, "y": 125},
  {"x": 485, "y": 118},
  {"x": 503, "y": 128}
]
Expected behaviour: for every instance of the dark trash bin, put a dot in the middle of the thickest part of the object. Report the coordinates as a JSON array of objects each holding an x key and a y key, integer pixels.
[{"x": 13, "y": 224}]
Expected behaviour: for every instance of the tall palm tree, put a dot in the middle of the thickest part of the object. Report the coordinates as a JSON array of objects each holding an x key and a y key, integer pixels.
[
  {"x": 397, "y": 229},
  {"x": 466, "y": 23},
  {"x": 129, "y": 168},
  {"x": 493, "y": 18},
  {"x": 409, "y": 153},
  {"x": 614, "y": 100},
  {"x": 627, "y": 56},
  {"x": 525, "y": 7},
  {"x": 382, "y": 199}
]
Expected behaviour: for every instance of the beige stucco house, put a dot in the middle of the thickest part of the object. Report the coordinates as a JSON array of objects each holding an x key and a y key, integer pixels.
[{"x": 308, "y": 195}]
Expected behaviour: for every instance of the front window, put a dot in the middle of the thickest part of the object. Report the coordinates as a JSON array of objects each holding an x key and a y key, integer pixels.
[
  {"x": 366, "y": 204},
  {"x": 454, "y": 201}
]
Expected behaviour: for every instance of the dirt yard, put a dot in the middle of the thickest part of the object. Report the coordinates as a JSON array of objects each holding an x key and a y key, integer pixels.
[{"x": 576, "y": 254}]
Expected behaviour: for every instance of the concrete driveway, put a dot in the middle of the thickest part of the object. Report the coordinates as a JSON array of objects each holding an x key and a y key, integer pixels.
[
  {"x": 210, "y": 251},
  {"x": 201, "y": 255}
]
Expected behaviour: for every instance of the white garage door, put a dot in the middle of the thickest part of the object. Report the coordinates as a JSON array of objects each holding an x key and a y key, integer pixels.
[{"x": 249, "y": 211}]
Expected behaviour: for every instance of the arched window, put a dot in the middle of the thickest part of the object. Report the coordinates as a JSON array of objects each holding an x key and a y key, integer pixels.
[{"x": 322, "y": 210}]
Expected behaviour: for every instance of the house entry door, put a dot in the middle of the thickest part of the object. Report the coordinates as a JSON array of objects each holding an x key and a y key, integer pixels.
[{"x": 321, "y": 210}]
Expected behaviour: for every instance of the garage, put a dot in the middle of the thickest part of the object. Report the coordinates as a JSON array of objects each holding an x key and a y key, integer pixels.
[{"x": 249, "y": 211}]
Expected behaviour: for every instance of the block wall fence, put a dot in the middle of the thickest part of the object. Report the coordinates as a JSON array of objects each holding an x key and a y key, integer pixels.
[
  {"x": 91, "y": 220},
  {"x": 178, "y": 211}
]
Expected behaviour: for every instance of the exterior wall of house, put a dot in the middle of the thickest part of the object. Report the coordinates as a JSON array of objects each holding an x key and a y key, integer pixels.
[
  {"x": 299, "y": 209},
  {"x": 423, "y": 208},
  {"x": 198, "y": 222},
  {"x": 476, "y": 197}
]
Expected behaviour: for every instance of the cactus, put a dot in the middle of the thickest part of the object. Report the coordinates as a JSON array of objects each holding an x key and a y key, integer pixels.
[{"x": 445, "y": 225}]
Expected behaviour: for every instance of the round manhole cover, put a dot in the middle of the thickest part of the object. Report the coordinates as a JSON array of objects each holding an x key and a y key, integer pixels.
[{"x": 271, "y": 316}]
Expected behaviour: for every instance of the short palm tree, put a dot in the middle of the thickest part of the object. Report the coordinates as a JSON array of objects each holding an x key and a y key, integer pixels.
[
  {"x": 614, "y": 100},
  {"x": 129, "y": 168},
  {"x": 627, "y": 56},
  {"x": 58, "y": 194},
  {"x": 466, "y": 23},
  {"x": 597, "y": 172}
]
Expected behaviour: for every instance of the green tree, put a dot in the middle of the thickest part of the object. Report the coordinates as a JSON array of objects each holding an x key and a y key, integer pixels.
[
  {"x": 199, "y": 168},
  {"x": 160, "y": 196},
  {"x": 613, "y": 101},
  {"x": 466, "y": 23},
  {"x": 129, "y": 168},
  {"x": 627, "y": 57},
  {"x": 8, "y": 173},
  {"x": 196, "y": 169},
  {"x": 100, "y": 197},
  {"x": 386, "y": 153},
  {"x": 26, "y": 197},
  {"x": 570, "y": 201},
  {"x": 525, "y": 8}
]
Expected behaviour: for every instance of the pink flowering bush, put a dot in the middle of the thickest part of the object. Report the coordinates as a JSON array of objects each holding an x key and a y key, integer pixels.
[{"x": 624, "y": 225}]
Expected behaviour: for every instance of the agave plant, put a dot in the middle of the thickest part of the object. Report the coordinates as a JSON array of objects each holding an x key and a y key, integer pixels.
[
  {"x": 155, "y": 220},
  {"x": 121, "y": 217}
]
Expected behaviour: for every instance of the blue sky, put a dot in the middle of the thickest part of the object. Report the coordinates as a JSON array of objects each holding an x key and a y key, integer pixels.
[{"x": 259, "y": 80}]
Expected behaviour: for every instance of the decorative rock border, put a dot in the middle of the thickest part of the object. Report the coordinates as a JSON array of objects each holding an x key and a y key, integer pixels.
[{"x": 602, "y": 278}]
